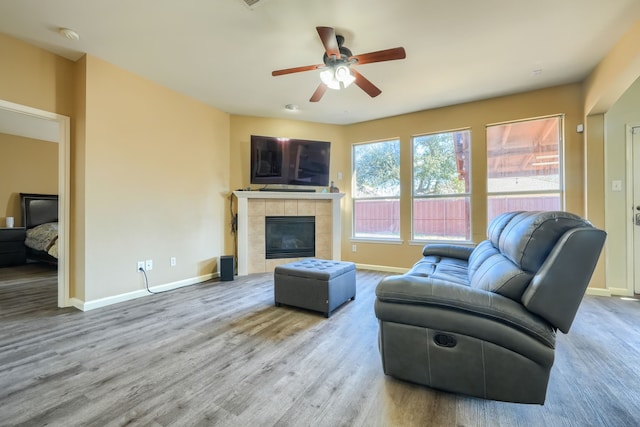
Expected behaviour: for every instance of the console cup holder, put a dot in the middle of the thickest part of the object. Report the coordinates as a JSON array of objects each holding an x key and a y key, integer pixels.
[{"x": 444, "y": 340}]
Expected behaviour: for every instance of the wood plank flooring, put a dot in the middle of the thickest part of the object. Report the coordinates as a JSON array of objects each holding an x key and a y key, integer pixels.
[{"x": 221, "y": 354}]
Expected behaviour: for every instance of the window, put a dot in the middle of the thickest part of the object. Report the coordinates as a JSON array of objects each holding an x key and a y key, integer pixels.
[
  {"x": 441, "y": 186},
  {"x": 524, "y": 166},
  {"x": 376, "y": 190}
]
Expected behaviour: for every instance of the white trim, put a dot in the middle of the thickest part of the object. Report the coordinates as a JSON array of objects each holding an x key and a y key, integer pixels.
[
  {"x": 623, "y": 292},
  {"x": 398, "y": 270},
  {"x": 64, "y": 190},
  {"x": 598, "y": 292},
  {"x": 377, "y": 241},
  {"x": 629, "y": 232},
  {"x": 466, "y": 243},
  {"x": 104, "y": 302}
]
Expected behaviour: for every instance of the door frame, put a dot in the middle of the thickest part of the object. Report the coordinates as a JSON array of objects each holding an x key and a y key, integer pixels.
[
  {"x": 64, "y": 185},
  {"x": 630, "y": 178}
]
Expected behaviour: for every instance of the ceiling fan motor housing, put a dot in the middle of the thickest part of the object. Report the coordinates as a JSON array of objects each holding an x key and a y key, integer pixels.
[{"x": 345, "y": 54}]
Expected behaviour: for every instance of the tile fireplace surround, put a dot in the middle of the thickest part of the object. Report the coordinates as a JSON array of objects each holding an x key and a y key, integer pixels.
[{"x": 254, "y": 206}]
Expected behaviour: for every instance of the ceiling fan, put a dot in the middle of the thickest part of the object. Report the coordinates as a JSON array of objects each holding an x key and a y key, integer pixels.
[{"x": 337, "y": 67}]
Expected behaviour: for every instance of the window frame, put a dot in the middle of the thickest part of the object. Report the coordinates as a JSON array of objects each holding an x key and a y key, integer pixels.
[
  {"x": 468, "y": 194},
  {"x": 561, "y": 163},
  {"x": 375, "y": 239}
]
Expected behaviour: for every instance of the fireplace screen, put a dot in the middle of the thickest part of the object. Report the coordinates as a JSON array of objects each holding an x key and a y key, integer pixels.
[{"x": 290, "y": 236}]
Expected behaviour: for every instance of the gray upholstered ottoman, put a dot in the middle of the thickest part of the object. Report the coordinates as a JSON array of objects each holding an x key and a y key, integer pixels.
[{"x": 315, "y": 284}]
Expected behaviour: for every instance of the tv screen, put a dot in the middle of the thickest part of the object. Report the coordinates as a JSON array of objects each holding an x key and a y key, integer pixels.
[{"x": 289, "y": 161}]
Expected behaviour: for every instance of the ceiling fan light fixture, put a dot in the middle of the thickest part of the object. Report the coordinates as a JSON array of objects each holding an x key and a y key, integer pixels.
[
  {"x": 337, "y": 77},
  {"x": 328, "y": 78},
  {"x": 343, "y": 75}
]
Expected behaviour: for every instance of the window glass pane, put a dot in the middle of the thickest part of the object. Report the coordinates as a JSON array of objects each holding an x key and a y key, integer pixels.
[
  {"x": 524, "y": 156},
  {"x": 441, "y": 218},
  {"x": 377, "y": 218},
  {"x": 440, "y": 171},
  {"x": 529, "y": 202},
  {"x": 376, "y": 169},
  {"x": 524, "y": 166},
  {"x": 376, "y": 190},
  {"x": 441, "y": 163}
]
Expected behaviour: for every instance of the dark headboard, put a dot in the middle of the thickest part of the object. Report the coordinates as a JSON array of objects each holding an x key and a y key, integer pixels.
[{"x": 38, "y": 209}]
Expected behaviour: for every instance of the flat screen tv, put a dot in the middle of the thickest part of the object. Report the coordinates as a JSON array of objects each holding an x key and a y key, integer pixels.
[{"x": 289, "y": 161}]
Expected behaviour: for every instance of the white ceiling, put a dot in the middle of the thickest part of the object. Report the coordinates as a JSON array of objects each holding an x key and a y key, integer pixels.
[{"x": 222, "y": 52}]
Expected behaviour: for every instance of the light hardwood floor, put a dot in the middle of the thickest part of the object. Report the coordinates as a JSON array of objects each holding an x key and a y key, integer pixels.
[{"x": 221, "y": 354}]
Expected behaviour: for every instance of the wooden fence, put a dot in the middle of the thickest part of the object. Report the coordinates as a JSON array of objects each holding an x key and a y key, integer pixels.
[{"x": 437, "y": 219}]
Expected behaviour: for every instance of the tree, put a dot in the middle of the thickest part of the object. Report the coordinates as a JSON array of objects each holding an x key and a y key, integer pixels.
[
  {"x": 377, "y": 167},
  {"x": 435, "y": 165}
]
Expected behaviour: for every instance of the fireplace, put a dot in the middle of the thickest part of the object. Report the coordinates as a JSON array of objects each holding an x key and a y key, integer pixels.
[{"x": 290, "y": 236}]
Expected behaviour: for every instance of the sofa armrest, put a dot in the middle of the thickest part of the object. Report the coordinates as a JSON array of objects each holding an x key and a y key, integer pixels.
[
  {"x": 447, "y": 250},
  {"x": 396, "y": 295}
]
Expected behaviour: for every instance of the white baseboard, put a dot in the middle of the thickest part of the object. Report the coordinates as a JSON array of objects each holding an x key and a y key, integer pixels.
[
  {"x": 103, "y": 302},
  {"x": 622, "y": 292},
  {"x": 599, "y": 292},
  {"x": 398, "y": 270}
]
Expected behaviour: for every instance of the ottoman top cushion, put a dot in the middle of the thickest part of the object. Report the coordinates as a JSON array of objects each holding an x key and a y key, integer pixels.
[{"x": 315, "y": 268}]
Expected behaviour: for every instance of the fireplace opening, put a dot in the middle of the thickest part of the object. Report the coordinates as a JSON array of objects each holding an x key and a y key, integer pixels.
[{"x": 290, "y": 236}]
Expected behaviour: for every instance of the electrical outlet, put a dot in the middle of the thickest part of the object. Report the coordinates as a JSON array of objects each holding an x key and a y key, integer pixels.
[
  {"x": 140, "y": 265},
  {"x": 173, "y": 261},
  {"x": 149, "y": 265},
  {"x": 354, "y": 248}
]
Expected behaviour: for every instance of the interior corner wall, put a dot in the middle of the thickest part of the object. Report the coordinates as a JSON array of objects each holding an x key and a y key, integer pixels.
[
  {"x": 594, "y": 198},
  {"x": 156, "y": 180},
  {"x": 242, "y": 127},
  {"x": 77, "y": 200},
  {"x": 614, "y": 74}
]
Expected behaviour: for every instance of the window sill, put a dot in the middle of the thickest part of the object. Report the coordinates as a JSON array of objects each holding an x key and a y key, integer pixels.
[
  {"x": 377, "y": 241},
  {"x": 446, "y": 242}
]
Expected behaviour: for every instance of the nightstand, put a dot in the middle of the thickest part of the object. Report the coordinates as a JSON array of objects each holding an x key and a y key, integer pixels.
[{"x": 12, "y": 248}]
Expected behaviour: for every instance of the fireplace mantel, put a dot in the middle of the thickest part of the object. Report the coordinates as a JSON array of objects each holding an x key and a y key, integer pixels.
[{"x": 289, "y": 199}]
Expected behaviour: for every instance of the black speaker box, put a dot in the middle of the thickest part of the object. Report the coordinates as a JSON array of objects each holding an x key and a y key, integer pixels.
[{"x": 227, "y": 267}]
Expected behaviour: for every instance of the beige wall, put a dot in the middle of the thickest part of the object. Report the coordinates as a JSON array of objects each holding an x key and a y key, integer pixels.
[
  {"x": 156, "y": 182},
  {"x": 26, "y": 166},
  {"x": 35, "y": 77}
]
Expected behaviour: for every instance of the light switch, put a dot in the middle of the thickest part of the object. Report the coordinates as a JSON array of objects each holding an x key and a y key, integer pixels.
[{"x": 616, "y": 185}]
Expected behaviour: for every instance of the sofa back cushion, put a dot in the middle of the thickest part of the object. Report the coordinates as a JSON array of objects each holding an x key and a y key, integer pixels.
[
  {"x": 492, "y": 271},
  {"x": 528, "y": 237}
]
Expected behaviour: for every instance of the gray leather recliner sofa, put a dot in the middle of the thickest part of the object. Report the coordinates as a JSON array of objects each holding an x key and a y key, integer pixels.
[{"x": 482, "y": 321}]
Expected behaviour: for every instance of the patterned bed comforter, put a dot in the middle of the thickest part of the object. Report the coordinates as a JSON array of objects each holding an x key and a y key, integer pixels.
[{"x": 44, "y": 237}]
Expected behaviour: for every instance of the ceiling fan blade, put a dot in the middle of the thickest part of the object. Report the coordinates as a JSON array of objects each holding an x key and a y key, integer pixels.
[
  {"x": 296, "y": 70},
  {"x": 364, "y": 84},
  {"x": 317, "y": 95},
  {"x": 329, "y": 41},
  {"x": 381, "y": 55}
]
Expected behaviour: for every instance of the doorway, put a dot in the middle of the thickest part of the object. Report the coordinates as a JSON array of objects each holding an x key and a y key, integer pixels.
[
  {"x": 633, "y": 197},
  {"x": 18, "y": 119}
]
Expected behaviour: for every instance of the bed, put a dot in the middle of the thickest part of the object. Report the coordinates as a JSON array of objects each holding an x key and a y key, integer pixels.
[{"x": 40, "y": 219}]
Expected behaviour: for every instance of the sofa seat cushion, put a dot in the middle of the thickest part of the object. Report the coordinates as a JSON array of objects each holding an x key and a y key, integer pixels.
[
  {"x": 404, "y": 299},
  {"x": 449, "y": 269}
]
